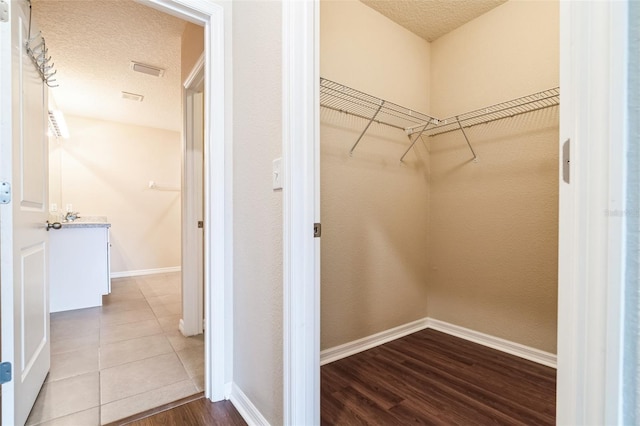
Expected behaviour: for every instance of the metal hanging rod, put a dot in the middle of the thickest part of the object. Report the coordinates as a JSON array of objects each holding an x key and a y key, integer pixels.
[
  {"x": 38, "y": 53},
  {"x": 344, "y": 99}
]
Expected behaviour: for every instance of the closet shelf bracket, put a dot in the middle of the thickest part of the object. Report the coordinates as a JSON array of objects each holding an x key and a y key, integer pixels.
[
  {"x": 345, "y": 100},
  {"x": 366, "y": 128},
  {"x": 475, "y": 157},
  {"x": 509, "y": 109},
  {"x": 414, "y": 141}
]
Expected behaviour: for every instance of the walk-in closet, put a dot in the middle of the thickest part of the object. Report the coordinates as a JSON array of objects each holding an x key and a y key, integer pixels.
[{"x": 439, "y": 205}]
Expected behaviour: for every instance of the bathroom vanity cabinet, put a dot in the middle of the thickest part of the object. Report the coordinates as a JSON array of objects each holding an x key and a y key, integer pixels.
[{"x": 79, "y": 264}]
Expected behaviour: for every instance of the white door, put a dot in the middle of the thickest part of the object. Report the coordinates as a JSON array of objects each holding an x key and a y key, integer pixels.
[
  {"x": 193, "y": 204},
  {"x": 23, "y": 236}
]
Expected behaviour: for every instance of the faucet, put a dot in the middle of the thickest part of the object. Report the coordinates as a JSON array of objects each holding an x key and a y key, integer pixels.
[{"x": 71, "y": 216}]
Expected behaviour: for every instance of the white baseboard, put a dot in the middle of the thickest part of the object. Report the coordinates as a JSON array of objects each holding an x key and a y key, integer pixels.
[
  {"x": 352, "y": 348},
  {"x": 140, "y": 272},
  {"x": 245, "y": 407},
  {"x": 522, "y": 351},
  {"x": 360, "y": 345},
  {"x": 228, "y": 387}
]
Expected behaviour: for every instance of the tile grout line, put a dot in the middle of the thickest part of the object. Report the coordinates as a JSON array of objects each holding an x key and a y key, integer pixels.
[
  {"x": 164, "y": 333},
  {"x": 101, "y": 344}
]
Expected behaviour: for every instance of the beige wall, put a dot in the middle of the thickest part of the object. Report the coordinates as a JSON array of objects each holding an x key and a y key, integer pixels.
[
  {"x": 192, "y": 47},
  {"x": 493, "y": 229},
  {"x": 362, "y": 49},
  {"x": 474, "y": 244},
  {"x": 257, "y": 209},
  {"x": 374, "y": 210},
  {"x": 105, "y": 168},
  {"x": 510, "y": 51},
  {"x": 55, "y": 174}
]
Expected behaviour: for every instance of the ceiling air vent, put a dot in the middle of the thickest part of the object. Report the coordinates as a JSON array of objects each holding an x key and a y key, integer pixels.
[
  {"x": 147, "y": 69},
  {"x": 132, "y": 96}
]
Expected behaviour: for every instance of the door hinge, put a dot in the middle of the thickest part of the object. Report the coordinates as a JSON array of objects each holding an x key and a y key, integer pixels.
[
  {"x": 317, "y": 230},
  {"x": 200, "y": 224},
  {"x": 566, "y": 161},
  {"x": 4, "y": 11},
  {"x": 5, "y": 372},
  {"x": 5, "y": 193}
]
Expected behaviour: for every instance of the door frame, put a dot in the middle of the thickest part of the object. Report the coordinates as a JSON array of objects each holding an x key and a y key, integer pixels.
[
  {"x": 301, "y": 198},
  {"x": 191, "y": 322},
  {"x": 590, "y": 304},
  {"x": 218, "y": 234},
  {"x": 592, "y": 251}
]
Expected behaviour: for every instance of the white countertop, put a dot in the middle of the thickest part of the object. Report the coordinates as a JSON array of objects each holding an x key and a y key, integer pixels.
[{"x": 87, "y": 222}]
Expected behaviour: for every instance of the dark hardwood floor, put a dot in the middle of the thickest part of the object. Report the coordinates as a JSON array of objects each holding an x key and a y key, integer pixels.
[
  {"x": 431, "y": 378},
  {"x": 196, "y": 412},
  {"x": 426, "y": 378}
]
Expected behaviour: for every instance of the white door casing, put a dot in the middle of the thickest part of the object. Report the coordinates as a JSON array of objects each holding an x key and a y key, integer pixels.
[
  {"x": 301, "y": 196},
  {"x": 24, "y": 244},
  {"x": 593, "y": 47},
  {"x": 218, "y": 196},
  {"x": 192, "y": 202}
]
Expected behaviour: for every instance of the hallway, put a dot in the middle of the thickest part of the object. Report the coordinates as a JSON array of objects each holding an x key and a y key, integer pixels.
[{"x": 123, "y": 358}]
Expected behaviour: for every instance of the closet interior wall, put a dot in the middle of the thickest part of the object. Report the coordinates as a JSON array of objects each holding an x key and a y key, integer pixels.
[
  {"x": 470, "y": 243},
  {"x": 374, "y": 213},
  {"x": 493, "y": 230}
]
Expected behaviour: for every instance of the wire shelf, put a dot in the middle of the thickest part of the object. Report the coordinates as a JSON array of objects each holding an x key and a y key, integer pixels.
[
  {"x": 338, "y": 97},
  {"x": 526, "y": 104},
  {"x": 344, "y": 99}
]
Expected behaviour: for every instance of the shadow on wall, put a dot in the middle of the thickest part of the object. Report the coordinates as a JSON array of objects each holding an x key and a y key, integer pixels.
[{"x": 374, "y": 242}]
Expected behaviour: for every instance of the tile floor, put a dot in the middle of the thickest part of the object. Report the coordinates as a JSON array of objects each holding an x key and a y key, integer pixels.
[{"x": 123, "y": 358}]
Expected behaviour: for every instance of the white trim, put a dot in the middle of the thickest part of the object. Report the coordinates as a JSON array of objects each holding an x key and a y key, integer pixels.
[
  {"x": 218, "y": 190},
  {"x": 195, "y": 77},
  {"x": 503, "y": 345},
  {"x": 228, "y": 387},
  {"x": 301, "y": 252},
  {"x": 246, "y": 408},
  {"x": 351, "y": 348},
  {"x": 192, "y": 200},
  {"x": 616, "y": 228},
  {"x": 141, "y": 272},
  {"x": 593, "y": 49}
]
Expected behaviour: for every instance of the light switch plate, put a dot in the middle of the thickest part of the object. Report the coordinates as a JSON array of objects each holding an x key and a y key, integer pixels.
[{"x": 277, "y": 173}]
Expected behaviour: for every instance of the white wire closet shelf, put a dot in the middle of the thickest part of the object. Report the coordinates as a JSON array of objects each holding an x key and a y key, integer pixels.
[{"x": 341, "y": 98}]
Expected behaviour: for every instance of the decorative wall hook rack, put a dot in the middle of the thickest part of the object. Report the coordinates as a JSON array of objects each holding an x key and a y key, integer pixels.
[
  {"x": 337, "y": 97},
  {"x": 38, "y": 53}
]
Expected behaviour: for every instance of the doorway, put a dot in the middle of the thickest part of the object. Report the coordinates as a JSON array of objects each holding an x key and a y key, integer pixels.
[
  {"x": 116, "y": 157},
  {"x": 210, "y": 16}
]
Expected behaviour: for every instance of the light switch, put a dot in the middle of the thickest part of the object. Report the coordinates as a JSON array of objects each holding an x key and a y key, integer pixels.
[{"x": 277, "y": 173}]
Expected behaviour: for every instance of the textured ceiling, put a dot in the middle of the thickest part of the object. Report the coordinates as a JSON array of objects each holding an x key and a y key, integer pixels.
[
  {"x": 92, "y": 44},
  {"x": 431, "y": 19}
]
